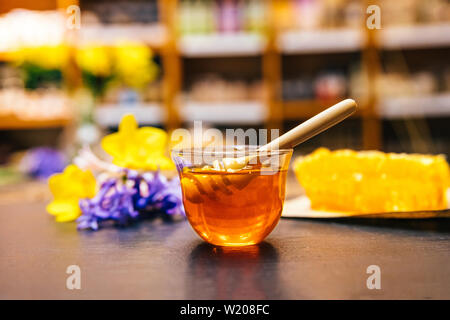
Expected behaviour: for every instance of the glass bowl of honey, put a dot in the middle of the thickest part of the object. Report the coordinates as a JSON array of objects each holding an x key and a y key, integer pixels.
[{"x": 233, "y": 196}]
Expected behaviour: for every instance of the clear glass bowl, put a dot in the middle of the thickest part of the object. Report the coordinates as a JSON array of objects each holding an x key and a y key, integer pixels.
[{"x": 233, "y": 196}]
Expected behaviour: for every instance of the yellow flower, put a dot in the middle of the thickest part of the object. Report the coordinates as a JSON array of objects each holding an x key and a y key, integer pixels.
[
  {"x": 137, "y": 148},
  {"x": 67, "y": 189},
  {"x": 94, "y": 59},
  {"x": 47, "y": 57},
  {"x": 134, "y": 65}
]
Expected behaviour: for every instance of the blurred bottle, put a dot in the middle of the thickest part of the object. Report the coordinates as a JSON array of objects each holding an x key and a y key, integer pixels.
[
  {"x": 223, "y": 16},
  {"x": 199, "y": 16},
  {"x": 215, "y": 88},
  {"x": 128, "y": 97},
  {"x": 331, "y": 13},
  {"x": 211, "y": 12},
  {"x": 241, "y": 12},
  {"x": 308, "y": 14},
  {"x": 331, "y": 86},
  {"x": 433, "y": 11},
  {"x": 228, "y": 16},
  {"x": 185, "y": 17},
  {"x": 298, "y": 89},
  {"x": 255, "y": 16},
  {"x": 354, "y": 14},
  {"x": 400, "y": 12}
]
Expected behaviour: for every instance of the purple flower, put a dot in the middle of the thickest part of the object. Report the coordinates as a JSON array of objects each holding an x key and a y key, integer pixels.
[
  {"x": 114, "y": 201},
  {"x": 42, "y": 162},
  {"x": 87, "y": 221},
  {"x": 130, "y": 197},
  {"x": 156, "y": 193}
]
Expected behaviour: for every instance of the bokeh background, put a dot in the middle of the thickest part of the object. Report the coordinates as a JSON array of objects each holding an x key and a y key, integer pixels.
[{"x": 230, "y": 63}]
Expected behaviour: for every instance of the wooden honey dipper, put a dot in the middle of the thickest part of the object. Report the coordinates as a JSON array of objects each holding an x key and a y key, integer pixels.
[
  {"x": 301, "y": 133},
  {"x": 308, "y": 129}
]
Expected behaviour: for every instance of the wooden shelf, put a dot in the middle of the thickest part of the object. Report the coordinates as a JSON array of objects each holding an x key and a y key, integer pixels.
[
  {"x": 222, "y": 44},
  {"x": 321, "y": 41},
  {"x": 415, "y": 106},
  {"x": 11, "y": 122},
  {"x": 415, "y": 37},
  {"x": 271, "y": 46},
  {"x": 153, "y": 35},
  {"x": 4, "y": 56},
  {"x": 344, "y": 40}
]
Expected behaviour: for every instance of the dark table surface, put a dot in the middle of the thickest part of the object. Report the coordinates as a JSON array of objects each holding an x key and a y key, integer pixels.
[{"x": 301, "y": 259}]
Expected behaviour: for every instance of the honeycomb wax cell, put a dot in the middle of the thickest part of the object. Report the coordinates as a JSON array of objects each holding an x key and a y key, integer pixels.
[{"x": 373, "y": 181}]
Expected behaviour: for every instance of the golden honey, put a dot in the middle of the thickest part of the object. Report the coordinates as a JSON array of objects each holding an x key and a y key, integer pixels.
[{"x": 233, "y": 208}]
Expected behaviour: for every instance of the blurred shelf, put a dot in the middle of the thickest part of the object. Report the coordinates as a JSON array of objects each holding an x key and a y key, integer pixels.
[
  {"x": 239, "y": 112},
  {"x": 415, "y": 107},
  {"x": 5, "y": 56},
  {"x": 222, "y": 44},
  {"x": 153, "y": 35},
  {"x": 416, "y": 37},
  {"x": 109, "y": 115},
  {"x": 11, "y": 122},
  {"x": 303, "y": 109},
  {"x": 321, "y": 41}
]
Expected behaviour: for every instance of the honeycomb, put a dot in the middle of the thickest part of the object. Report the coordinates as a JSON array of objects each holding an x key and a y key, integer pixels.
[{"x": 373, "y": 181}]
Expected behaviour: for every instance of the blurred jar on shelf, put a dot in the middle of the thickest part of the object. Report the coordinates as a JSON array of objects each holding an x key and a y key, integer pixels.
[
  {"x": 122, "y": 11},
  {"x": 409, "y": 12},
  {"x": 394, "y": 84},
  {"x": 221, "y": 16},
  {"x": 37, "y": 105},
  {"x": 32, "y": 86},
  {"x": 330, "y": 86},
  {"x": 327, "y": 85},
  {"x": 213, "y": 88},
  {"x": 127, "y": 96}
]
